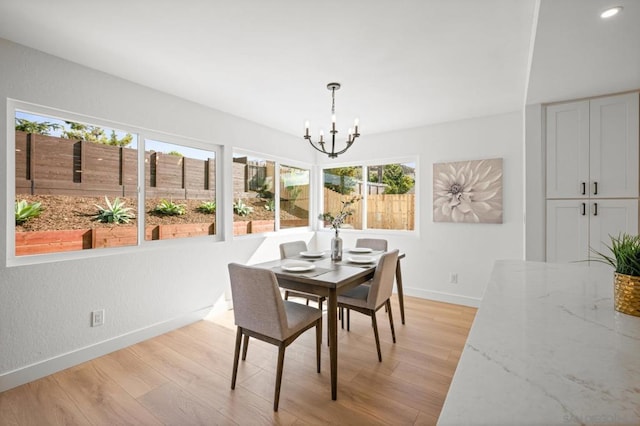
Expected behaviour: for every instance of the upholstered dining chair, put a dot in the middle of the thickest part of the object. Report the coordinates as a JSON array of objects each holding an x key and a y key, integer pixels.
[
  {"x": 368, "y": 298},
  {"x": 372, "y": 243},
  {"x": 260, "y": 312},
  {"x": 292, "y": 249}
]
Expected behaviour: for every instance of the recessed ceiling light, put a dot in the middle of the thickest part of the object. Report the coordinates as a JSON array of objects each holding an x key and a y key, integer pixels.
[{"x": 611, "y": 12}]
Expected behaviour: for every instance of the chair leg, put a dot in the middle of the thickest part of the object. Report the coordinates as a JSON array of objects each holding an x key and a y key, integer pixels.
[
  {"x": 342, "y": 318},
  {"x": 393, "y": 331},
  {"x": 318, "y": 341},
  {"x": 320, "y": 304},
  {"x": 348, "y": 319},
  {"x": 235, "y": 358},
  {"x": 307, "y": 302},
  {"x": 286, "y": 295},
  {"x": 276, "y": 398},
  {"x": 374, "y": 324},
  {"x": 244, "y": 347}
]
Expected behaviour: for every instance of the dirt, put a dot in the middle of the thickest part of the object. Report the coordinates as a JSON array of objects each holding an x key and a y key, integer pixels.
[{"x": 62, "y": 212}]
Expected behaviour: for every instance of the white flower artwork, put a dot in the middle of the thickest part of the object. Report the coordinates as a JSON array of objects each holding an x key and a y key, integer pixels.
[{"x": 468, "y": 191}]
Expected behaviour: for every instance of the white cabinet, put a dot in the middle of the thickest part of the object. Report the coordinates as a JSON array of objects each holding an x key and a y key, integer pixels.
[
  {"x": 592, "y": 148},
  {"x": 576, "y": 226}
]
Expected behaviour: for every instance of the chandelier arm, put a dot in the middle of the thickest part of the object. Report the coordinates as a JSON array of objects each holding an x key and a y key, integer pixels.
[
  {"x": 345, "y": 149},
  {"x": 313, "y": 144}
]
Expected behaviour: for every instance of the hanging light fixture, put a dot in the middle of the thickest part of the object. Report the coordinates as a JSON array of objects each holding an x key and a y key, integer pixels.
[{"x": 320, "y": 145}]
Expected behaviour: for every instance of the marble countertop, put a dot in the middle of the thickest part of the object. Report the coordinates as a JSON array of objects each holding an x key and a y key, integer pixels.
[{"x": 548, "y": 348}]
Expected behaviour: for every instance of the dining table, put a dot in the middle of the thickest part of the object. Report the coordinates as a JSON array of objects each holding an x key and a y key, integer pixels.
[{"x": 316, "y": 273}]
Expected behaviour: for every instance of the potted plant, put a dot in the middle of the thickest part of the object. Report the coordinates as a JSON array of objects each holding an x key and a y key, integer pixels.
[{"x": 625, "y": 259}]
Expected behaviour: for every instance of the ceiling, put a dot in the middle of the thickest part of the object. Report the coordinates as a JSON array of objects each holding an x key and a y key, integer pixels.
[{"x": 401, "y": 64}]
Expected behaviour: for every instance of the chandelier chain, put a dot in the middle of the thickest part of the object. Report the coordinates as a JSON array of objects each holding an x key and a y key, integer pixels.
[{"x": 333, "y": 100}]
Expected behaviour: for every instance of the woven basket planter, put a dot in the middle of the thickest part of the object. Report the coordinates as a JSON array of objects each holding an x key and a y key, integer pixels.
[{"x": 626, "y": 294}]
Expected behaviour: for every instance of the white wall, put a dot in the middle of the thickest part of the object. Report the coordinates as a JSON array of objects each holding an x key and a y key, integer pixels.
[
  {"x": 45, "y": 308},
  {"x": 439, "y": 249}
]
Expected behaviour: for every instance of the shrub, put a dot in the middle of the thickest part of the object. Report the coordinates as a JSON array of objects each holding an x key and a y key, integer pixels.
[
  {"x": 208, "y": 207},
  {"x": 26, "y": 211},
  {"x": 169, "y": 208},
  {"x": 241, "y": 209},
  {"x": 114, "y": 213}
]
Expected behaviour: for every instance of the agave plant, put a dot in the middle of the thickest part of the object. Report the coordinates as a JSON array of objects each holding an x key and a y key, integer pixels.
[
  {"x": 625, "y": 254},
  {"x": 25, "y": 211},
  {"x": 241, "y": 209},
  {"x": 115, "y": 212},
  {"x": 208, "y": 207},
  {"x": 169, "y": 208},
  {"x": 271, "y": 205}
]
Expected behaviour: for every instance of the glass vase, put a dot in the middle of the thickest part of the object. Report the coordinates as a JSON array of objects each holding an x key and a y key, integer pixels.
[{"x": 336, "y": 247}]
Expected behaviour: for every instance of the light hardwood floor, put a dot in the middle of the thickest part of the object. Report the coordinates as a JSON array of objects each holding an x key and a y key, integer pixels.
[{"x": 183, "y": 377}]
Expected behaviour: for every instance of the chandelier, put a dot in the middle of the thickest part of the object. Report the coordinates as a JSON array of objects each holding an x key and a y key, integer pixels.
[{"x": 320, "y": 144}]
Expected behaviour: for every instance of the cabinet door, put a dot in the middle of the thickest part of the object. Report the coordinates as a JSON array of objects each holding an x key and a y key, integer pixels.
[
  {"x": 610, "y": 218},
  {"x": 568, "y": 150},
  {"x": 614, "y": 146},
  {"x": 567, "y": 230}
]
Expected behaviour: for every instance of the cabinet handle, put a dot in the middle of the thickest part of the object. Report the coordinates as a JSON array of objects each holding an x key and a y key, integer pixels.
[
  {"x": 595, "y": 209},
  {"x": 584, "y": 209},
  {"x": 584, "y": 188},
  {"x": 595, "y": 188}
]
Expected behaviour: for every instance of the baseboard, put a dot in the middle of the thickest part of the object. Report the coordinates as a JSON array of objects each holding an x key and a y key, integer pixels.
[
  {"x": 44, "y": 368},
  {"x": 441, "y": 296}
]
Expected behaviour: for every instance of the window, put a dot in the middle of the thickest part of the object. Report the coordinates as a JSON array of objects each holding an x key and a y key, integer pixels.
[
  {"x": 342, "y": 184},
  {"x": 391, "y": 196},
  {"x": 294, "y": 197},
  {"x": 180, "y": 191},
  {"x": 386, "y": 195},
  {"x": 254, "y": 206},
  {"x": 265, "y": 190},
  {"x": 75, "y": 185}
]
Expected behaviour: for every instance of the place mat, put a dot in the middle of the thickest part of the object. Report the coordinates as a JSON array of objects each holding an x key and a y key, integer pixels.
[{"x": 312, "y": 273}]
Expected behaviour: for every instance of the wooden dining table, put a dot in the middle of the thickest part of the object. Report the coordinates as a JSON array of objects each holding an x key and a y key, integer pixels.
[{"x": 329, "y": 279}]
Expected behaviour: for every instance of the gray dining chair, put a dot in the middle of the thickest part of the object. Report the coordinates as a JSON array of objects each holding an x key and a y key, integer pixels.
[
  {"x": 368, "y": 298},
  {"x": 293, "y": 249},
  {"x": 260, "y": 312},
  {"x": 372, "y": 243}
]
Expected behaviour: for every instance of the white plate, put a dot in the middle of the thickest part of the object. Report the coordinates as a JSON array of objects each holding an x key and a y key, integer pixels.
[
  {"x": 298, "y": 267},
  {"x": 360, "y": 250},
  {"x": 362, "y": 259},
  {"x": 311, "y": 253}
]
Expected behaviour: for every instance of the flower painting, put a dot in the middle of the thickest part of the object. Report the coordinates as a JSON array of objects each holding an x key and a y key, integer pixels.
[{"x": 468, "y": 191}]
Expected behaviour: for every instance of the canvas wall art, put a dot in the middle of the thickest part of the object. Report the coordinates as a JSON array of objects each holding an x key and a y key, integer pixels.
[{"x": 468, "y": 191}]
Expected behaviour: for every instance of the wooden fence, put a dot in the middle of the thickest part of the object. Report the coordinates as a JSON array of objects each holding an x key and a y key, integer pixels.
[
  {"x": 384, "y": 211},
  {"x": 51, "y": 165}
]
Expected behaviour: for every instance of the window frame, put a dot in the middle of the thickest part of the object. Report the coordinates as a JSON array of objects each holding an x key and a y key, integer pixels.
[
  {"x": 365, "y": 172},
  {"x": 14, "y": 105},
  {"x": 278, "y": 162}
]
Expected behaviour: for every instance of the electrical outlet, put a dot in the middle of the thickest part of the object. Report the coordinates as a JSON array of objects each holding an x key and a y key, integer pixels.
[
  {"x": 453, "y": 278},
  {"x": 97, "y": 318}
]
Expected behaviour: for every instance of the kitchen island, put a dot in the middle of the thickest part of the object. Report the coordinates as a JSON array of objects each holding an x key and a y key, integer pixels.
[{"x": 548, "y": 348}]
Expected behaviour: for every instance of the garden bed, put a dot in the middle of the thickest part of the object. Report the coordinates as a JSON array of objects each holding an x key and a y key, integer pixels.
[{"x": 66, "y": 224}]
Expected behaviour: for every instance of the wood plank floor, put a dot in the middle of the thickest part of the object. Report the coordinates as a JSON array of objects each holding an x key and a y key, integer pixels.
[{"x": 183, "y": 377}]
